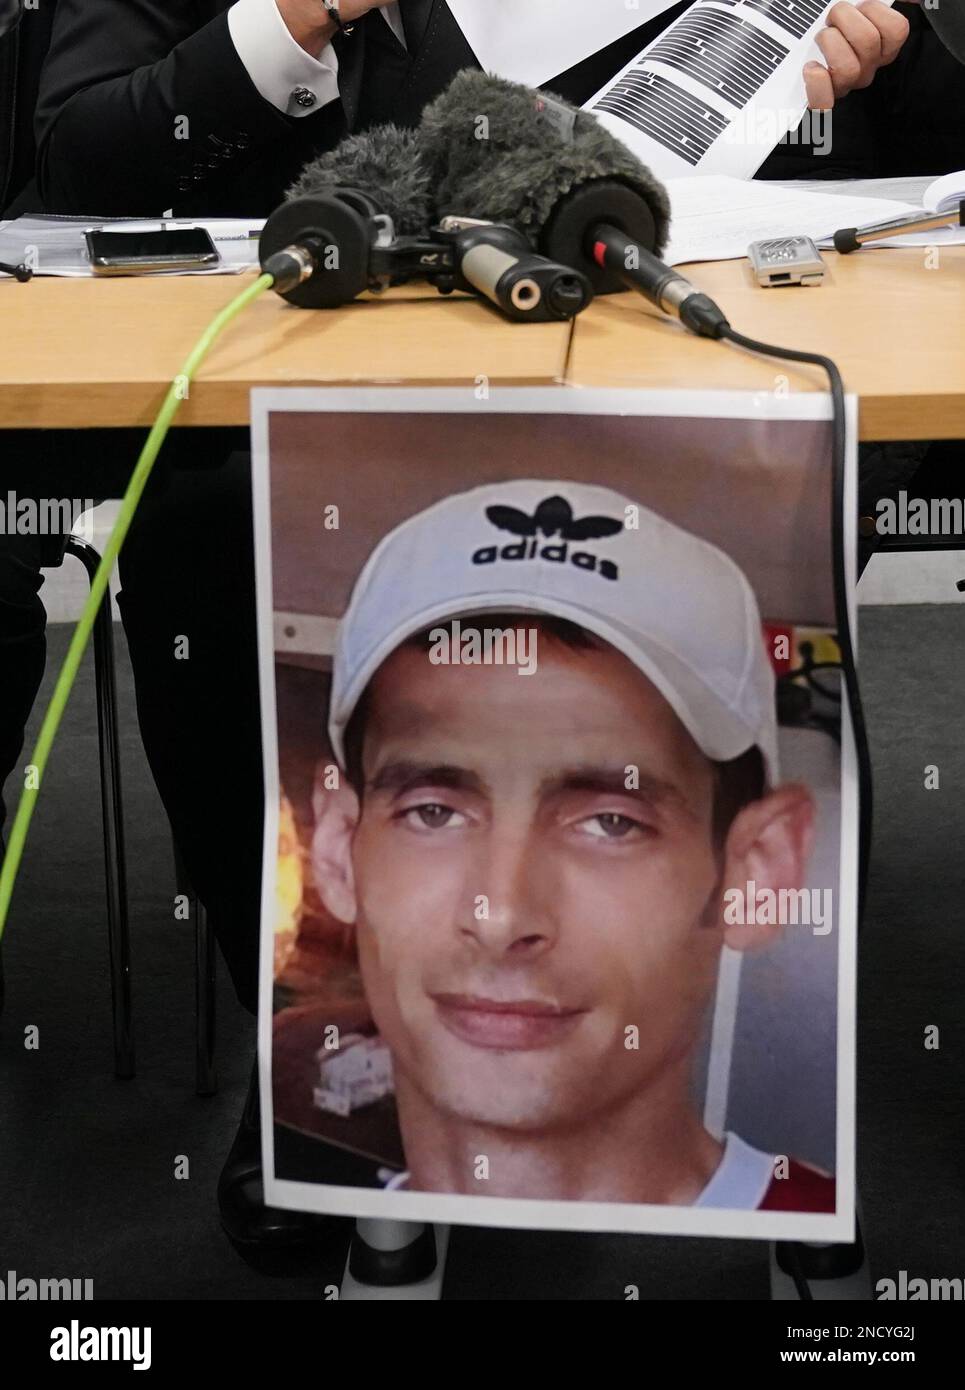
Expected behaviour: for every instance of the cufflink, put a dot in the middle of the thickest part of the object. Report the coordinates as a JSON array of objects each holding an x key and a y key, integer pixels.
[{"x": 303, "y": 97}]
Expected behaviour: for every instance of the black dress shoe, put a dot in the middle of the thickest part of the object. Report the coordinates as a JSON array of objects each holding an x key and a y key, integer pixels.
[{"x": 268, "y": 1237}]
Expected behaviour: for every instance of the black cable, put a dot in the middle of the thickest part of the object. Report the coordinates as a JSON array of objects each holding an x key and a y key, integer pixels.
[
  {"x": 806, "y": 673},
  {"x": 845, "y": 643},
  {"x": 20, "y": 272},
  {"x": 839, "y": 561},
  {"x": 640, "y": 270},
  {"x": 792, "y": 1256}
]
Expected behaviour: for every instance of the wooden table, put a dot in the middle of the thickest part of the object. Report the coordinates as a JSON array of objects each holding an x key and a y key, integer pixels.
[
  {"x": 76, "y": 353},
  {"x": 895, "y": 328}
]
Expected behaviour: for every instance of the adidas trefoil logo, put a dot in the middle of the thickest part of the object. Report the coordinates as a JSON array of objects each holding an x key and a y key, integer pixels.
[{"x": 552, "y": 518}]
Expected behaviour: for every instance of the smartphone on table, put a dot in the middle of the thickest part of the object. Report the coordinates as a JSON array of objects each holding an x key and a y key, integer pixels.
[{"x": 139, "y": 253}]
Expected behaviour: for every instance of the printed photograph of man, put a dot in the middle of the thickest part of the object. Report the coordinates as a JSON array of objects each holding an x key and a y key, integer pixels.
[{"x": 533, "y": 852}]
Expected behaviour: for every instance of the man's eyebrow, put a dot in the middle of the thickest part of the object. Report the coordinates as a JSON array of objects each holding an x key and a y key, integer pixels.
[
  {"x": 399, "y": 777},
  {"x": 609, "y": 781}
]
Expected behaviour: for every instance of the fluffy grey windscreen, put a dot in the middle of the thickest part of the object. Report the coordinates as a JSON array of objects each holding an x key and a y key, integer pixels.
[
  {"x": 385, "y": 164},
  {"x": 490, "y": 151}
]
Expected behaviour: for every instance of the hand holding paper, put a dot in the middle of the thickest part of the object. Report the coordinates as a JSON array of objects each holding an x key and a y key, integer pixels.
[
  {"x": 717, "y": 89},
  {"x": 723, "y": 84},
  {"x": 857, "y": 41}
]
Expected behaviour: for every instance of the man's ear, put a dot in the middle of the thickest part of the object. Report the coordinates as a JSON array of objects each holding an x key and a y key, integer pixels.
[
  {"x": 768, "y": 844},
  {"x": 336, "y": 816}
]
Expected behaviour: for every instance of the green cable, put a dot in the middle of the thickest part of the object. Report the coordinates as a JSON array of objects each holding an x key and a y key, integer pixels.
[{"x": 101, "y": 580}]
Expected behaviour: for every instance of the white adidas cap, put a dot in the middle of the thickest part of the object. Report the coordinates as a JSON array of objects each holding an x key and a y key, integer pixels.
[{"x": 674, "y": 605}]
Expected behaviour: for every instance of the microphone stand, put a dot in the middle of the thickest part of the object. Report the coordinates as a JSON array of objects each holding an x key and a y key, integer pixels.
[
  {"x": 395, "y": 1260},
  {"x": 850, "y": 239}
]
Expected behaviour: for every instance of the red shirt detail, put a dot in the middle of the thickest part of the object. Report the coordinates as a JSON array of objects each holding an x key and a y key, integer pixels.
[{"x": 804, "y": 1189}]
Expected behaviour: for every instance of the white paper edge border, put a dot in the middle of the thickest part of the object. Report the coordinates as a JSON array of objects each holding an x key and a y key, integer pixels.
[{"x": 524, "y": 1214}]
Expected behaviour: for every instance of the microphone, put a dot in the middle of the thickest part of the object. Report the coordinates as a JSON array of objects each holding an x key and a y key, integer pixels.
[
  {"x": 501, "y": 150},
  {"x": 497, "y": 261},
  {"x": 319, "y": 248},
  {"x": 509, "y": 152},
  {"x": 338, "y": 236},
  {"x": 638, "y": 269},
  {"x": 317, "y": 244},
  {"x": 386, "y": 164}
]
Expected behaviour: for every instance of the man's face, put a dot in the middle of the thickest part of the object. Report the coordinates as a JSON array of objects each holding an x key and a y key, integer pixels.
[{"x": 520, "y": 911}]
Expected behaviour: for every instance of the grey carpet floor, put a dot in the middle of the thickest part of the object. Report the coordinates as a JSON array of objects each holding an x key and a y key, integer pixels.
[{"x": 87, "y": 1163}]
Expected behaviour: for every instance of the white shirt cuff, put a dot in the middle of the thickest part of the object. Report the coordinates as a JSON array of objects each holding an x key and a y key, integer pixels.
[{"x": 282, "y": 72}]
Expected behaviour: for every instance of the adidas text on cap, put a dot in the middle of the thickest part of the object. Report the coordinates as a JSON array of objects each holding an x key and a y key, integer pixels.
[{"x": 673, "y": 604}]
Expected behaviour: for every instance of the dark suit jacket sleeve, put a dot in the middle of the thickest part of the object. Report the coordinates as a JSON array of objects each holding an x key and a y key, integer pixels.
[{"x": 141, "y": 102}]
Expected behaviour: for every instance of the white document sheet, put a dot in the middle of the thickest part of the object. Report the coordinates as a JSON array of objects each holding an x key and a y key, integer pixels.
[
  {"x": 718, "y": 89},
  {"x": 715, "y": 218},
  {"x": 945, "y": 193},
  {"x": 533, "y": 40}
]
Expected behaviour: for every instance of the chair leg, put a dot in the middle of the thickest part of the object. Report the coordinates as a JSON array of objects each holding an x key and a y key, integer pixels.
[
  {"x": 115, "y": 866},
  {"x": 205, "y": 975},
  {"x": 206, "y": 1080}
]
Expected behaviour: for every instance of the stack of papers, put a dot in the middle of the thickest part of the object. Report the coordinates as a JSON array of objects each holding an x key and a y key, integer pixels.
[
  {"x": 53, "y": 245},
  {"x": 715, "y": 218}
]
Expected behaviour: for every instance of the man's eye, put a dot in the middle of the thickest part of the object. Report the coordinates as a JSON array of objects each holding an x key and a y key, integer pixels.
[
  {"x": 608, "y": 825},
  {"x": 432, "y": 816}
]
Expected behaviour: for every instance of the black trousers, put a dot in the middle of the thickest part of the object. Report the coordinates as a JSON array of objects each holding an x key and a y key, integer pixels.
[
  {"x": 188, "y": 606},
  {"x": 23, "y": 647}
]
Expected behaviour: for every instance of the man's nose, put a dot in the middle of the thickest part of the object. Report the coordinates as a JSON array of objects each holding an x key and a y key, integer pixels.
[{"x": 511, "y": 900}]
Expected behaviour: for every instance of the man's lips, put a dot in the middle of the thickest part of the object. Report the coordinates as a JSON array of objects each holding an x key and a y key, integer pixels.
[{"x": 513, "y": 1024}]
